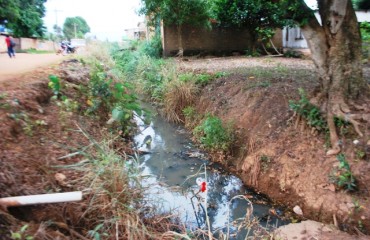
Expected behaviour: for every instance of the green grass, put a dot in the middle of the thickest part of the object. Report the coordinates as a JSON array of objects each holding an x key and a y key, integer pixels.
[
  {"x": 34, "y": 51},
  {"x": 212, "y": 134}
]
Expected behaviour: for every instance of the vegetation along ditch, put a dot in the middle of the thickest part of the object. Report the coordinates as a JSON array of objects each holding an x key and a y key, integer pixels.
[{"x": 174, "y": 163}]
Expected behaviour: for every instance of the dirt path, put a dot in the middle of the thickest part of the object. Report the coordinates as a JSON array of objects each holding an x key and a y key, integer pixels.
[{"x": 23, "y": 63}]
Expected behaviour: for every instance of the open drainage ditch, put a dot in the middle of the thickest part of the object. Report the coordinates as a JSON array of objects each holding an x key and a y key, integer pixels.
[{"x": 172, "y": 167}]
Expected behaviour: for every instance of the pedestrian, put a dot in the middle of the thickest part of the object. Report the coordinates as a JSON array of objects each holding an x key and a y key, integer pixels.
[{"x": 10, "y": 44}]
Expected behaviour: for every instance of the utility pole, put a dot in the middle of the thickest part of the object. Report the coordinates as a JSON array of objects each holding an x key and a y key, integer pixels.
[{"x": 56, "y": 16}]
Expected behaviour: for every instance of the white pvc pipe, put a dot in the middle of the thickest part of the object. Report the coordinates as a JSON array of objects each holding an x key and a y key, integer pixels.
[{"x": 41, "y": 199}]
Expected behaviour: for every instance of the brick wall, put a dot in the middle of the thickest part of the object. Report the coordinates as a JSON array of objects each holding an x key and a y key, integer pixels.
[
  {"x": 218, "y": 41},
  {"x": 28, "y": 43}
]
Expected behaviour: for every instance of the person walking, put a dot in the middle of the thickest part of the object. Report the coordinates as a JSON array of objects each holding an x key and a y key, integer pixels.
[{"x": 10, "y": 44}]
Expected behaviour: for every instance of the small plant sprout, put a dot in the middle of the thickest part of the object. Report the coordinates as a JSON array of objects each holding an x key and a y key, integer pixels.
[
  {"x": 21, "y": 234},
  {"x": 54, "y": 84}
]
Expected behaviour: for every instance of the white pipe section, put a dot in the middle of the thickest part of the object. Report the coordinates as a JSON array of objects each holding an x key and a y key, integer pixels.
[{"x": 41, "y": 199}]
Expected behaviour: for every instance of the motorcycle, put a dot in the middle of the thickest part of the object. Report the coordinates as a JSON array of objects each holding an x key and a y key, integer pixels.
[{"x": 66, "y": 48}]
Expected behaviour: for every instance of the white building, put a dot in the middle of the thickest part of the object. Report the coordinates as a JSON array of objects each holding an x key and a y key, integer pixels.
[
  {"x": 138, "y": 33},
  {"x": 293, "y": 37}
]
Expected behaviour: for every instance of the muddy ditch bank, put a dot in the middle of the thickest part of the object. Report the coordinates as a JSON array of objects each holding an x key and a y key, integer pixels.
[
  {"x": 38, "y": 139},
  {"x": 277, "y": 155},
  {"x": 294, "y": 170}
]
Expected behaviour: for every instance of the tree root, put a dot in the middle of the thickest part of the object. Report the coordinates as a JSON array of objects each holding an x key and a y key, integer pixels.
[{"x": 342, "y": 110}]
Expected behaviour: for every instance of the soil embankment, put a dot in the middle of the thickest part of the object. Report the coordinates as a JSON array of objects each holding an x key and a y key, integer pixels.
[{"x": 276, "y": 154}]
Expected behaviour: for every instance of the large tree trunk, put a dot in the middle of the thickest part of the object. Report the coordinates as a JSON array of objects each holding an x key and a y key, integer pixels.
[{"x": 336, "y": 51}]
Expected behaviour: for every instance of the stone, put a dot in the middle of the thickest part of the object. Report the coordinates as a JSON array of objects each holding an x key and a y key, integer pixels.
[{"x": 298, "y": 210}]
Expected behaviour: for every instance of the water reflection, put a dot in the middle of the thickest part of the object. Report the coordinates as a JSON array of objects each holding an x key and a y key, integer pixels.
[{"x": 168, "y": 167}]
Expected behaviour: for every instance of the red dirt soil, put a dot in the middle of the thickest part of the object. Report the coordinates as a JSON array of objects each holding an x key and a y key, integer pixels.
[
  {"x": 33, "y": 136},
  {"x": 296, "y": 171},
  {"x": 276, "y": 155}
]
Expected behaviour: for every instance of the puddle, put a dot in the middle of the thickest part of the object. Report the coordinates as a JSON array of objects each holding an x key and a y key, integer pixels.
[{"x": 171, "y": 163}]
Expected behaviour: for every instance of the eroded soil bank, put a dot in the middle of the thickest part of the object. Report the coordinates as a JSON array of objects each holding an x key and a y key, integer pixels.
[
  {"x": 273, "y": 154},
  {"x": 43, "y": 149},
  {"x": 277, "y": 155}
]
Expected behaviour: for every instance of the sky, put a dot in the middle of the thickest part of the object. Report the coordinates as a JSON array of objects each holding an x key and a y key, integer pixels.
[{"x": 107, "y": 18}]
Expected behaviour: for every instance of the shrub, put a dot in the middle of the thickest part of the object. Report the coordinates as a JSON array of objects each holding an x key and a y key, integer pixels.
[
  {"x": 342, "y": 176},
  {"x": 191, "y": 117},
  {"x": 152, "y": 48},
  {"x": 213, "y": 135},
  {"x": 203, "y": 79}
]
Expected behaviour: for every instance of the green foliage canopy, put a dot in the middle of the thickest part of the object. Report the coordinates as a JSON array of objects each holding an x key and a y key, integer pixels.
[
  {"x": 361, "y": 4},
  {"x": 75, "y": 23},
  {"x": 177, "y": 12},
  {"x": 259, "y": 16},
  {"x": 9, "y": 10},
  {"x": 24, "y": 17}
]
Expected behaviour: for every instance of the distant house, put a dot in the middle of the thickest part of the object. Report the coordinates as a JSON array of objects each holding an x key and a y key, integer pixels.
[
  {"x": 293, "y": 38},
  {"x": 138, "y": 33}
]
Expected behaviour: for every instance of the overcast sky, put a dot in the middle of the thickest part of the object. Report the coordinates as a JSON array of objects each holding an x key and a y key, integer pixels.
[{"x": 107, "y": 18}]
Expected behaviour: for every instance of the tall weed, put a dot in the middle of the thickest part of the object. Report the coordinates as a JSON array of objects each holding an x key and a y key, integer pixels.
[
  {"x": 178, "y": 96},
  {"x": 114, "y": 194}
]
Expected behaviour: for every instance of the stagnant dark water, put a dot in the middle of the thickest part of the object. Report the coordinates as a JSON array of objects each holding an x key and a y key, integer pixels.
[{"x": 172, "y": 165}]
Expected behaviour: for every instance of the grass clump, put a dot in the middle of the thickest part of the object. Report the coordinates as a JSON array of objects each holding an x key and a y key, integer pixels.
[
  {"x": 314, "y": 118},
  {"x": 213, "y": 135},
  {"x": 308, "y": 111},
  {"x": 201, "y": 79},
  {"x": 114, "y": 195},
  {"x": 178, "y": 96},
  {"x": 192, "y": 118}
]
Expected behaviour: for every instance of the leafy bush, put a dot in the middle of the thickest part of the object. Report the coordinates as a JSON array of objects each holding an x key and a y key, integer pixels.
[
  {"x": 54, "y": 84},
  {"x": 203, "y": 79},
  {"x": 365, "y": 31},
  {"x": 152, "y": 48},
  {"x": 107, "y": 96},
  {"x": 150, "y": 78},
  {"x": 343, "y": 176},
  {"x": 213, "y": 135}
]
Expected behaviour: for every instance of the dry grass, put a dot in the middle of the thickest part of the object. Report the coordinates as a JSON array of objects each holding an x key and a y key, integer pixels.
[
  {"x": 255, "y": 171},
  {"x": 113, "y": 194},
  {"x": 178, "y": 96},
  {"x": 100, "y": 52}
]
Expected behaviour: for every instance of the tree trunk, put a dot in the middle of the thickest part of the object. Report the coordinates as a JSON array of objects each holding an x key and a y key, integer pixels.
[
  {"x": 179, "y": 39},
  {"x": 336, "y": 51}
]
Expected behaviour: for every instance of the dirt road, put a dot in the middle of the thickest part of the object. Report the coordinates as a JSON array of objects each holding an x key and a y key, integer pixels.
[{"x": 23, "y": 63}]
